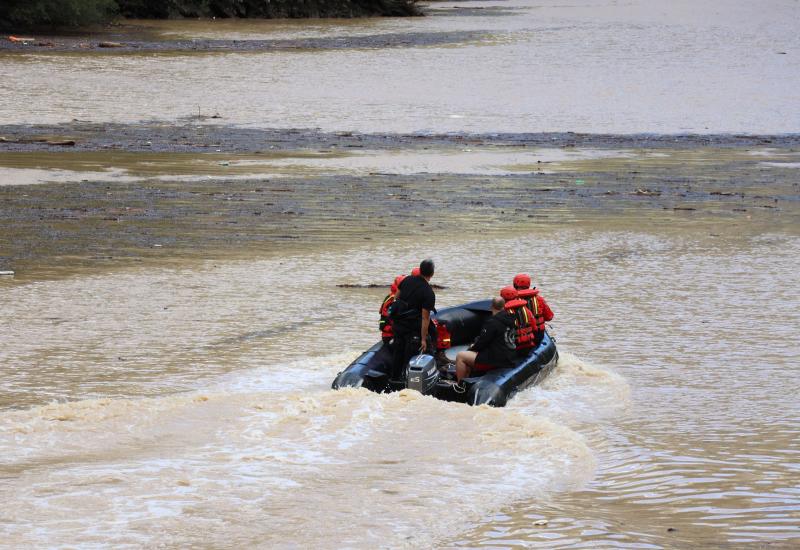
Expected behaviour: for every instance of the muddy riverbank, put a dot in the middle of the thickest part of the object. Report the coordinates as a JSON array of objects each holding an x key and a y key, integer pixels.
[
  {"x": 155, "y": 194},
  {"x": 195, "y": 135},
  {"x": 120, "y": 44},
  {"x": 146, "y": 36}
]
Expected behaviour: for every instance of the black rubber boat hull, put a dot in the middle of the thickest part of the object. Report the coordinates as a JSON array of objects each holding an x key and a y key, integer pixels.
[{"x": 371, "y": 369}]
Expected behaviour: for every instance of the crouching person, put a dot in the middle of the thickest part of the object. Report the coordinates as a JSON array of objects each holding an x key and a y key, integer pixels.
[{"x": 495, "y": 347}]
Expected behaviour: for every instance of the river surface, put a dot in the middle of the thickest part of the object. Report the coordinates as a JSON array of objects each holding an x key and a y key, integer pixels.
[
  {"x": 190, "y": 406},
  {"x": 589, "y": 66},
  {"x": 186, "y": 402}
]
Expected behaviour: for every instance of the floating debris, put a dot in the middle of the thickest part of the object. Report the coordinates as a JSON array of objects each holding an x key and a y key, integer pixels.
[
  {"x": 373, "y": 285},
  {"x": 68, "y": 142},
  {"x": 647, "y": 192}
]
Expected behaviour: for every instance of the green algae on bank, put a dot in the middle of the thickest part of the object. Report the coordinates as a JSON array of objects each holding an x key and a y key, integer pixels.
[{"x": 24, "y": 168}]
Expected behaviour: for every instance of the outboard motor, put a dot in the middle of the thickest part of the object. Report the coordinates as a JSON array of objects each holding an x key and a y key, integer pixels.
[{"x": 422, "y": 374}]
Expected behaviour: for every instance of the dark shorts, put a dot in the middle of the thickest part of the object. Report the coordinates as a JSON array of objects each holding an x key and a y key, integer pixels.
[{"x": 482, "y": 363}]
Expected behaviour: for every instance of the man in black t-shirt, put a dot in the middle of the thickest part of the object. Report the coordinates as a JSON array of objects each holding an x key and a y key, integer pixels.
[
  {"x": 495, "y": 347},
  {"x": 411, "y": 319}
]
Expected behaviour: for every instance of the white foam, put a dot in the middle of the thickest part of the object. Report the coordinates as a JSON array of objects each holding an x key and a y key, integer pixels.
[
  {"x": 576, "y": 393},
  {"x": 261, "y": 462}
]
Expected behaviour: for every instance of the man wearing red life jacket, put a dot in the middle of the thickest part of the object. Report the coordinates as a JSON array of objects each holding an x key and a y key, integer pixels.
[
  {"x": 536, "y": 304},
  {"x": 523, "y": 319},
  {"x": 387, "y": 333}
]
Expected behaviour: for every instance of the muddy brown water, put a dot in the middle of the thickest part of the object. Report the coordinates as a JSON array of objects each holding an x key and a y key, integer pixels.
[
  {"x": 194, "y": 399},
  {"x": 166, "y": 352},
  {"x": 543, "y": 66}
]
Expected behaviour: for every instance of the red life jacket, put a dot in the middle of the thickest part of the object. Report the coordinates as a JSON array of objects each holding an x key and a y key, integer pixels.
[
  {"x": 385, "y": 324},
  {"x": 538, "y": 307},
  {"x": 442, "y": 335},
  {"x": 523, "y": 318}
]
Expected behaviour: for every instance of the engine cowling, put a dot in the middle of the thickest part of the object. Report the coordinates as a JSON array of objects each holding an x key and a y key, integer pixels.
[{"x": 422, "y": 374}]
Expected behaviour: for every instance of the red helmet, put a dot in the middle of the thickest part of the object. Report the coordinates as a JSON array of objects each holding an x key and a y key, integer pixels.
[
  {"x": 522, "y": 281},
  {"x": 508, "y": 293},
  {"x": 415, "y": 271},
  {"x": 396, "y": 283}
]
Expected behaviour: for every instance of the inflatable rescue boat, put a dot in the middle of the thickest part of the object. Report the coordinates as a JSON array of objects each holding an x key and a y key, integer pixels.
[{"x": 463, "y": 323}]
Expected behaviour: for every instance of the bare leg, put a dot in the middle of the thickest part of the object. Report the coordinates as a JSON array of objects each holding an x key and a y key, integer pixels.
[{"x": 465, "y": 360}]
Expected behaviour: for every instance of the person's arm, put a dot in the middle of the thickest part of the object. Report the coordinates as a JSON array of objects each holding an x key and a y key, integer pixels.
[
  {"x": 426, "y": 321},
  {"x": 384, "y": 311},
  {"x": 547, "y": 313},
  {"x": 428, "y": 305},
  {"x": 484, "y": 338}
]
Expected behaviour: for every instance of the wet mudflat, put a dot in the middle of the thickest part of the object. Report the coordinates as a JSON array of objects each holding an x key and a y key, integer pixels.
[
  {"x": 120, "y": 199},
  {"x": 205, "y": 132}
]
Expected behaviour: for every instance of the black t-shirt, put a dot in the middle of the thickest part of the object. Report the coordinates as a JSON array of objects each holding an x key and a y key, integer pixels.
[
  {"x": 496, "y": 344},
  {"x": 418, "y": 295}
]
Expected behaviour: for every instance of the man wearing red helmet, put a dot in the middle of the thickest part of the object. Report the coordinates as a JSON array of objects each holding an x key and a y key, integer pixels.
[
  {"x": 385, "y": 324},
  {"x": 536, "y": 303},
  {"x": 495, "y": 346}
]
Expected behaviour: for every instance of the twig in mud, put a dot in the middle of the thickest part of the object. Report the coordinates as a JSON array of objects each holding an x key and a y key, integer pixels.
[
  {"x": 373, "y": 285},
  {"x": 63, "y": 142}
]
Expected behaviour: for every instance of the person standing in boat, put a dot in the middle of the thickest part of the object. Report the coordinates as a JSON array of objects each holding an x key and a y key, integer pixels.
[
  {"x": 495, "y": 347},
  {"x": 536, "y": 303},
  {"x": 411, "y": 317}
]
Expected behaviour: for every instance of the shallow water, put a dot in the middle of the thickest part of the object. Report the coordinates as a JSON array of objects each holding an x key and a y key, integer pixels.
[
  {"x": 601, "y": 66},
  {"x": 644, "y": 425},
  {"x": 72, "y": 167}
]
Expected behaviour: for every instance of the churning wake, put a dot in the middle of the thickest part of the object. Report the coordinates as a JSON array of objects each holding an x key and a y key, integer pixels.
[{"x": 304, "y": 468}]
